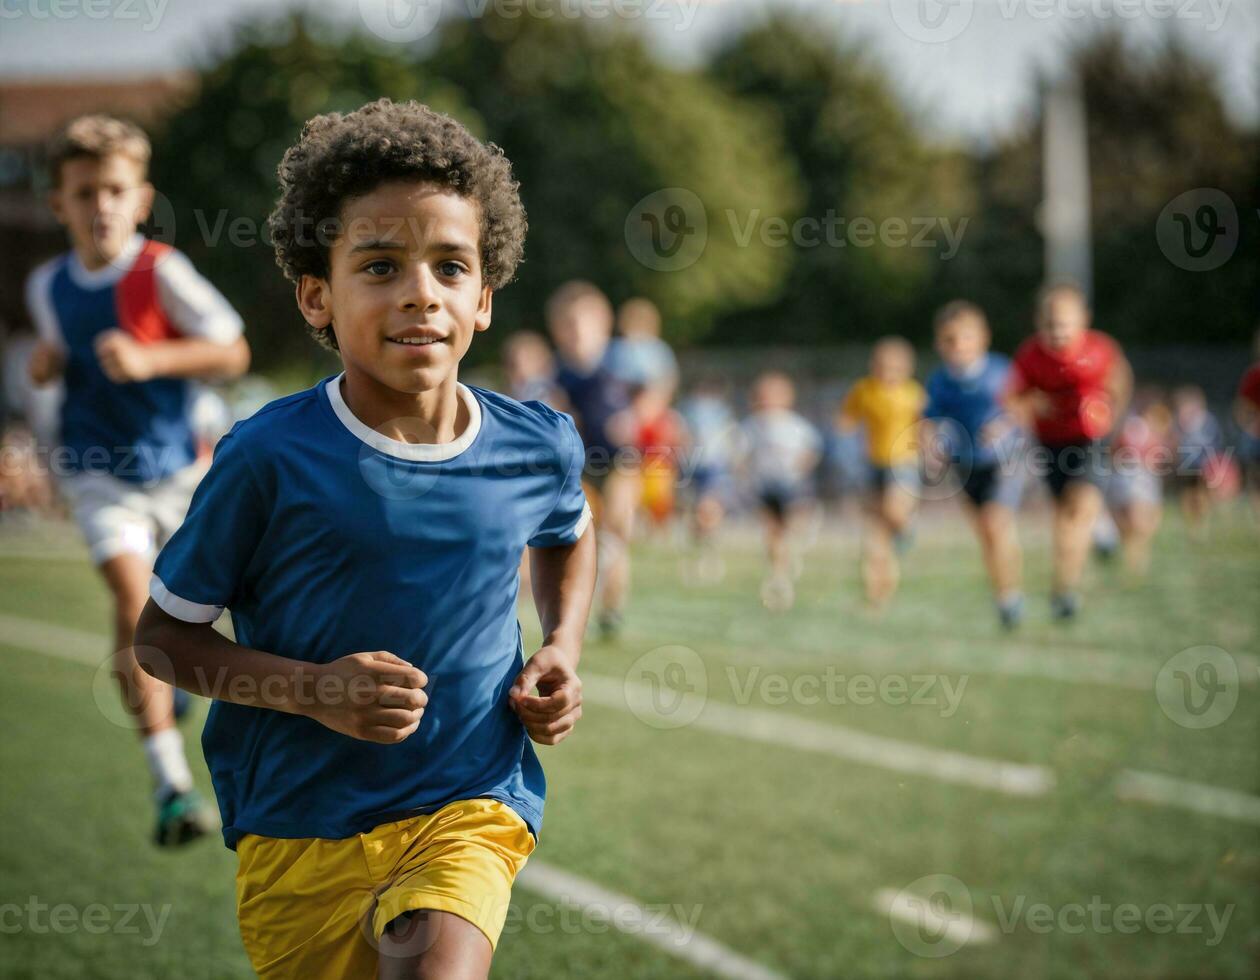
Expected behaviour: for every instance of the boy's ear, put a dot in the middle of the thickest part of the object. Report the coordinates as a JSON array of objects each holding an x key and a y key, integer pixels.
[
  {"x": 144, "y": 205},
  {"x": 315, "y": 302},
  {"x": 54, "y": 205},
  {"x": 484, "y": 309}
]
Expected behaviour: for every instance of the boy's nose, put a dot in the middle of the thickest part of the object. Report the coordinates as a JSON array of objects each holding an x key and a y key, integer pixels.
[{"x": 419, "y": 290}]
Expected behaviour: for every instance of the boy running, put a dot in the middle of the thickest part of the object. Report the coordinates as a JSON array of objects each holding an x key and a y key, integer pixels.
[
  {"x": 976, "y": 439},
  {"x": 580, "y": 320},
  {"x": 370, "y": 742},
  {"x": 887, "y": 404},
  {"x": 126, "y": 324},
  {"x": 779, "y": 452},
  {"x": 1069, "y": 384}
]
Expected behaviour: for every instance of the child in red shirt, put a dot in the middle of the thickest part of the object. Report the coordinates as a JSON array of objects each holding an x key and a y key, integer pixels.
[{"x": 1069, "y": 384}]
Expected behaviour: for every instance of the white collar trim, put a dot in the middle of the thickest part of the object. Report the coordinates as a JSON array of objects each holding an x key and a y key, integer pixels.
[
  {"x": 417, "y": 452},
  {"x": 111, "y": 271}
]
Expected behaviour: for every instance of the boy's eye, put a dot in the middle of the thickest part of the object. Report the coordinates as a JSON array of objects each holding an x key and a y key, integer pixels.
[
  {"x": 379, "y": 267},
  {"x": 451, "y": 268}
]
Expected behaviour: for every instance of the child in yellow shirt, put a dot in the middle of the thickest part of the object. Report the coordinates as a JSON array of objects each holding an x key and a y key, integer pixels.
[{"x": 888, "y": 405}]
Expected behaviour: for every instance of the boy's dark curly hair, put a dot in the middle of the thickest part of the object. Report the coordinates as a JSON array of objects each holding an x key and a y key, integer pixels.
[{"x": 339, "y": 157}]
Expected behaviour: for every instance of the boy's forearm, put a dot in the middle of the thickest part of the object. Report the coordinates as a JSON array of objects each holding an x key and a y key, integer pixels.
[
  {"x": 1019, "y": 406},
  {"x": 197, "y": 658},
  {"x": 563, "y": 582},
  {"x": 1120, "y": 387},
  {"x": 196, "y": 357}
]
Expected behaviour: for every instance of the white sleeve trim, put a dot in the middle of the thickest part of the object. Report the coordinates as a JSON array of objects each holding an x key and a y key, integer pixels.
[
  {"x": 173, "y": 605},
  {"x": 194, "y": 306},
  {"x": 39, "y": 303}
]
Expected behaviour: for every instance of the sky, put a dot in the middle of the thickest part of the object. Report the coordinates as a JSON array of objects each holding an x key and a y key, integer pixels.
[{"x": 966, "y": 67}]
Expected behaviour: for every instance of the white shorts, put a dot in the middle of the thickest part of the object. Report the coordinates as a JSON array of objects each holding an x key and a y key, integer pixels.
[
  {"x": 1141, "y": 487},
  {"x": 118, "y": 517}
]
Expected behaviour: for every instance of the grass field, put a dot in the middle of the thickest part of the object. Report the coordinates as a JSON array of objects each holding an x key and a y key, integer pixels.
[{"x": 771, "y": 820}]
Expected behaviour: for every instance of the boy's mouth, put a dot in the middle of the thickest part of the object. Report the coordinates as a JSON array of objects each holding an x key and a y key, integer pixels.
[{"x": 417, "y": 337}]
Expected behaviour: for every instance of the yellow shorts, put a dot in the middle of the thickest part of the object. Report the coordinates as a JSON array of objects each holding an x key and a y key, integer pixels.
[{"x": 314, "y": 908}]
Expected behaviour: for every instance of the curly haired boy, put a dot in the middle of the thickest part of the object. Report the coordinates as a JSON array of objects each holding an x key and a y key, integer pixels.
[{"x": 370, "y": 738}]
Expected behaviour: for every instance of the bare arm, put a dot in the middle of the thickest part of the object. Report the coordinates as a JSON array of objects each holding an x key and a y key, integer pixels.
[
  {"x": 1119, "y": 387},
  {"x": 563, "y": 581},
  {"x": 47, "y": 363},
  {"x": 125, "y": 359},
  {"x": 1021, "y": 405},
  {"x": 374, "y": 696}
]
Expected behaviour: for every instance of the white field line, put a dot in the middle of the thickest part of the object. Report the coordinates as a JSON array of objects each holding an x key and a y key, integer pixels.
[
  {"x": 62, "y": 642},
  {"x": 659, "y": 927},
  {"x": 1132, "y": 785},
  {"x": 781, "y": 728},
  {"x": 955, "y": 930},
  {"x": 1014, "y": 779}
]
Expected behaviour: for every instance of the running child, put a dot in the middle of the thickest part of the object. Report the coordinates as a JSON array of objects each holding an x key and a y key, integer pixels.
[
  {"x": 370, "y": 741},
  {"x": 973, "y": 436},
  {"x": 126, "y": 325},
  {"x": 1069, "y": 385},
  {"x": 659, "y": 434},
  {"x": 580, "y": 320},
  {"x": 710, "y": 437},
  {"x": 779, "y": 452},
  {"x": 1141, "y": 453},
  {"x": 639, "y": 355},
  {"x": 887, "y": 405},
  {"x": 1198, "y": 437},
  {"x": 529, "y": 367}
]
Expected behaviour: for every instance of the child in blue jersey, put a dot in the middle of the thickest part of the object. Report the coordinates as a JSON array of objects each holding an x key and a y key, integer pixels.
[
  {"x": 973, "y": 437},
  {"x": 370, "y": 738},
  {"x": 126, "y": 325},
  {"x": 580, "y": 321}
]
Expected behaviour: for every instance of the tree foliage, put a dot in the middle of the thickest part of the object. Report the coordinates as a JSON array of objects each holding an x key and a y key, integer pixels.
[{"x": 785, "y": 122}]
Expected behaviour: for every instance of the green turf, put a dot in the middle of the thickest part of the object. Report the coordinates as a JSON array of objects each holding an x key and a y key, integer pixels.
[{"x": 779, "y": 851}]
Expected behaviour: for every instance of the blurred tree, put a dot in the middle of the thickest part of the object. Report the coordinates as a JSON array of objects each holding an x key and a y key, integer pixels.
[
  {"x": 591, "y": 123},
  {"x": 863, "y": 161},
  {"x": 682, "y": 185},
  {"x": 1157, "y": 128},
  {"x": 610, "y": 147}
]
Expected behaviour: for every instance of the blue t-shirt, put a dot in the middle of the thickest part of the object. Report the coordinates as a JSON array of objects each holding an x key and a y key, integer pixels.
[
  {"x": 326, "y": 538},
  {"x": 962, "y": 404},
  {"x": 139, "y": 431},
  {"x": 595, "y": 396}
]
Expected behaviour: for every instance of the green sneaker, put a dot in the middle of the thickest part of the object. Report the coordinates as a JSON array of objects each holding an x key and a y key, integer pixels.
[{"x": 182, "y": 818}]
